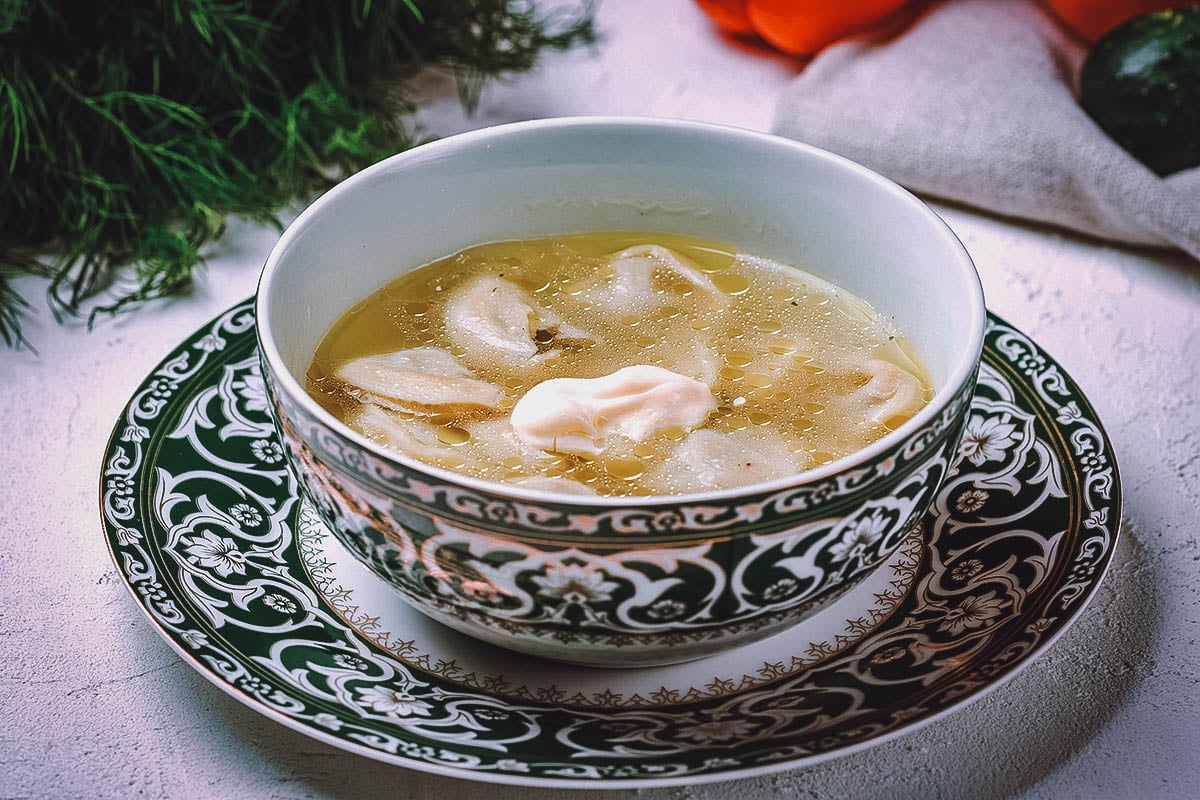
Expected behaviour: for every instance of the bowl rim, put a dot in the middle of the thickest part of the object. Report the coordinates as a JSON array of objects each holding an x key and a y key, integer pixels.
[{"x": 961, "y": 373}]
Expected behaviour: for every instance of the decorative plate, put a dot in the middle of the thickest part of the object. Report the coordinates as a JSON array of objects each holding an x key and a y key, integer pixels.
[{"x": 238, "y": 574}]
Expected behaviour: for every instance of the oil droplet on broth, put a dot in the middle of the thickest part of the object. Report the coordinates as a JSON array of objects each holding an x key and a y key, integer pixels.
[
  {"x": 575, "y": 287},
  {"x": 732, "y": 423},
  {"x": 624, "y": 469},
  {"x": 769, "y": 326},
  {"x": 586, "y": 473},
  {"x": 667, "y": 312},
  {"x": 731, "y": 373},
  {"x": 675, "y": 434},
  {"x": 534, "y": 283},
  {"x": 453, "y": 435},
  {"x": 738, "y": 359},
  {"x": 730, "y": 283}
]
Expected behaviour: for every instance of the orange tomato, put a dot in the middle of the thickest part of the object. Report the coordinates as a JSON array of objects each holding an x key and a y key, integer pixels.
[
  {"x": 1091, "y": 19},
  {"x": 730, "y": 15},
  {"x": 804, "y": 27}
]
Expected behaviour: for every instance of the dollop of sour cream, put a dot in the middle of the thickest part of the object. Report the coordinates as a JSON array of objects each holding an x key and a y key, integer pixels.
[{"x": 596, "y": 416}]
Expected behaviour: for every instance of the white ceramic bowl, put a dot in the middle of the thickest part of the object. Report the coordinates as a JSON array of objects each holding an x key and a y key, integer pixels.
[{"x": 748, "y": 561}]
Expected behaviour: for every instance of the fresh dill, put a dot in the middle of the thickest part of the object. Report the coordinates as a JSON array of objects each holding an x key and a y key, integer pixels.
[{"x": 130, "y": 131}]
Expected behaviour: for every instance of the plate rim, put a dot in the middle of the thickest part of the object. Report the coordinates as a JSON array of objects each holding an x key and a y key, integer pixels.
[{"x": 1013, "y": 669}]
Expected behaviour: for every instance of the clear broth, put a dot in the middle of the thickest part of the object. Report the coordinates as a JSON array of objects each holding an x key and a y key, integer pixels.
[{"x": 776, "y": 347}]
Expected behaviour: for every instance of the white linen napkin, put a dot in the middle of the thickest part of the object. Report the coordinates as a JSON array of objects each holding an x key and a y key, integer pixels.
[{"x": 976, "y": 103}]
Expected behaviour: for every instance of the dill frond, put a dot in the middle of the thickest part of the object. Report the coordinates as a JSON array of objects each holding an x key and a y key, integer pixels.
[{"x": 130, "y": 131}]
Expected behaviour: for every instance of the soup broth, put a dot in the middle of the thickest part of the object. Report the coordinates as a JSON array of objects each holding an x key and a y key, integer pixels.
[{"x": 746, "y": 369}]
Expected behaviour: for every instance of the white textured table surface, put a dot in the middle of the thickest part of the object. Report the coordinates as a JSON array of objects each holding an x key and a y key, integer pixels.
[{"x": 94, "y": 704}]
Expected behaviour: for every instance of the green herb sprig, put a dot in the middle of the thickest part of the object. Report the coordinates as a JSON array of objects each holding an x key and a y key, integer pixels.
[{"x": 130, "y": 131}]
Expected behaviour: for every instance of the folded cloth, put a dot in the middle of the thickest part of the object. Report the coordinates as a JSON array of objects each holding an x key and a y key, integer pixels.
[{"x": 975, "y": 103}]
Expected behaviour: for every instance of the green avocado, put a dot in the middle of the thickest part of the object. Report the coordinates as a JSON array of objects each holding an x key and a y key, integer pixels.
[{"x": 1141, "y": 84}]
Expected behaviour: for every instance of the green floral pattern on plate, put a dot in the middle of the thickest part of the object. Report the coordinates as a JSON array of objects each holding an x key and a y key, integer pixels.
[{"x": 205, "y": 523}]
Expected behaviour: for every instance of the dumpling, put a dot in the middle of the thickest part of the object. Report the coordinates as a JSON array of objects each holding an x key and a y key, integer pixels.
[
  {"x": 412, "y": 437},
  {"x": 640, "y": 272},
  {"x": 504, "y": 444},
  {"x": 611, "y": 414},
  {"x": 423, "y": 381},
  {"x": 887, "y": 395},
  {"x": 874, "y": 396},
  {"x": 491, "y": 320},
  {"x": 709, "y": 459},
  {"x": 692, "y": 357}
]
